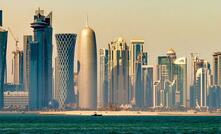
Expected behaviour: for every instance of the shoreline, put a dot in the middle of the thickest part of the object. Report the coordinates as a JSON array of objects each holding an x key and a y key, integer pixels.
[
  {"x": 128, "y": 113},
  {"x": 112, "y": 113}
]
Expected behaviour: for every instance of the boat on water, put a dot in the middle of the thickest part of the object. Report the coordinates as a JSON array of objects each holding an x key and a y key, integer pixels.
[{"x": 95, "y": 114}]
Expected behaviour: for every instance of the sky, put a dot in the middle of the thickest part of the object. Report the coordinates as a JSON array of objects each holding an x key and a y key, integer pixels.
[{"x": 184, "y": 25}]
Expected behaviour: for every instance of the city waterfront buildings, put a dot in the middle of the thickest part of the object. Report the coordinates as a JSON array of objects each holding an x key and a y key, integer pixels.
[
  {"x": 65, "y": 74},
  {"x": 40, "y": 84}
]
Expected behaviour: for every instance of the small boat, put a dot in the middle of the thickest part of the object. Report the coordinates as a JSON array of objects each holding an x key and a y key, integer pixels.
[{"x": 95, "y": 114}]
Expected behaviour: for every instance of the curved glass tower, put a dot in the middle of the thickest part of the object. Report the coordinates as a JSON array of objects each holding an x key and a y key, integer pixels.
[
  {"x": 64, "y": 92},
  {"x": 87, "y": 69}
]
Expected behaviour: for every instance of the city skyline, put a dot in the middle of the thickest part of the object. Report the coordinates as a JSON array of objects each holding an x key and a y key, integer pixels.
[{"x": 184, "y": 26}]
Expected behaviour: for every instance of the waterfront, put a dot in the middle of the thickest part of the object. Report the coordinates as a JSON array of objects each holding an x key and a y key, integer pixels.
[{"x": 50, "y": 124}]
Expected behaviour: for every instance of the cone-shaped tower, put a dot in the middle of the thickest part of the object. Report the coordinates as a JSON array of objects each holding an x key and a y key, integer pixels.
[{"x": 87, "y": 69}]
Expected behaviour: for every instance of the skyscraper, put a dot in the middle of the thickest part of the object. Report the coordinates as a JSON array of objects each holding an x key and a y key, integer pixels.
[
  {"x": 135, "y": 49},
  {"x": 87, "y": 69},
  {"x": 40, "y": 92},
  {"x": 203, "y": 82},
  {"x": 181, "y": 79},
  {"x": 18, "y": 66},
  {"x": 26, "y": 58},
  {"x": 103, "y": 81},
  {"x": 65, "y": 59},
  {"x": 118, "y": 72},
  {"x": 148, "y": 75},
  {"x": 0, "y": 17},
  {"x": 217, "y": 68},
  {"x": 3, "y": 50}
]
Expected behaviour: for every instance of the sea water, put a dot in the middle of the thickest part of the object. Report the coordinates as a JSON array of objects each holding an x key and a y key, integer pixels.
[{"x": 56, "y": 124}]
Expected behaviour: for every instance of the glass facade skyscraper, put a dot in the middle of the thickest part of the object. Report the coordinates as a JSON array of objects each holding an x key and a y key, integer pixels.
[
  {"x": 65, "y": 63},
  {"x": 41, "y": 61},
  {"x": 118, "y": 72},
  {"x": 26, "y": 59},
  {"x": 103, "y": 81},
  {"x": 3, "y": 50}
]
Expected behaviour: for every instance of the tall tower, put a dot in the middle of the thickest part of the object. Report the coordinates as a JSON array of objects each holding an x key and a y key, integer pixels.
[
  {"x": 65, "y": 59},
  {"x": 41, "y": 61},
  {"x": 18, "y": 66},
  {"x": 217, "y": 68},
  {"x": 103, "y": 79},
  {"x": 87, "y": 69},
  {"x": 26, "y": 59},
  {"x": 3, "y": 48},
  {"x": 118, "y": 72}
]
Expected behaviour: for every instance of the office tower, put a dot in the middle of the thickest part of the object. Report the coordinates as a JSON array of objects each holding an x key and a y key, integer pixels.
[
  {"x": 169, "y": 93},
  {"x": 56, "y": 84},
  {"x": 148, "y": 74},
  {"x": 103, "y": 81},
  {"x": 139, "y": 90},
  {"x": 3, "y": 50},
  {"x": 26, "y": 59},
  {"x": 217, "y": 68},
  {"x": 157, "y": 94},
  {"x": 136, "y": 48},
  {"x": 180, "y": 75},
  {"x": 214, "y": 97},
  {"x": 197, "y": 63},
  {"x": 18, "y": 70},
  {"x": 118, "y": 72},
  {"x": 203, "y": 82},
  {"x": 0, "y": 17},
  {"x": 40, "y": 92},
  {"x": 65, "y": 59},
  {"x": 87, "y": 69}
]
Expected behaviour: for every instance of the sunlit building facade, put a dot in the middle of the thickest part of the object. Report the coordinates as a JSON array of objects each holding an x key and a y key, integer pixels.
[{"x": 118, "y": 72}]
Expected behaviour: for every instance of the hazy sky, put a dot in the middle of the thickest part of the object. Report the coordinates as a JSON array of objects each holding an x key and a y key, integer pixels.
[{"x": 185, "y": 25}]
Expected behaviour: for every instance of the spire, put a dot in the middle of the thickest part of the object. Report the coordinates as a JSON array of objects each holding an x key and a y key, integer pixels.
[{"x": 86, "y": 24}]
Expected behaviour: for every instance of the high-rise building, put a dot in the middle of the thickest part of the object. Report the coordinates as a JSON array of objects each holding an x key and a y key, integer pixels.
[
  {"x": 26, "y": 59},
  {"x": 3, "y": 50},
  {"x": 18, "y": 70},
  {"x": 40, "y": 93},
  {"x": 118, "y": 72},
  {"x": 217, "y": 68},
  {"x": 87, "y": 69},
  {"x": 203, "y": 82},
  {"x": 214, "y": 97},
  {"x": 139, "y": 90},
  {"x": 180, "y": 75},
  {"x": 65, "y": 59},
  {"x": 0, "y": 17},
  {"x": 103, "y": 81},
  {"x": 56, "y": 84},
  {"x": 148, "y": 75},
  {"x": 135, "y": 49}
]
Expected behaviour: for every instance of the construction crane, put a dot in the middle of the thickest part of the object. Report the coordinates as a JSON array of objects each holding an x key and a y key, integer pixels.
[{"x": 15, "y": 38}]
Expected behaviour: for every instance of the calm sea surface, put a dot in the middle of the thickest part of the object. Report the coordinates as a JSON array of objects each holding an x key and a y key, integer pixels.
[{"x": 54, "y": 124}]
